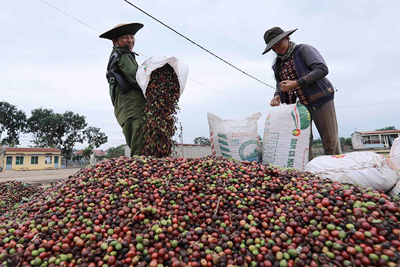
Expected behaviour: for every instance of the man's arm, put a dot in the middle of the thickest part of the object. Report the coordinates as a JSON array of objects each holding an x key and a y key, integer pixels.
[
  {"x": 315, "y": 62},
  {"x": 129, "y": 67}
]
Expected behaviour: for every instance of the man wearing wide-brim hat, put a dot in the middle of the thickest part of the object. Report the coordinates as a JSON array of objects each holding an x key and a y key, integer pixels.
[
  {"x": 300, "y": 73},
  {"x": 126, "y": 95}
]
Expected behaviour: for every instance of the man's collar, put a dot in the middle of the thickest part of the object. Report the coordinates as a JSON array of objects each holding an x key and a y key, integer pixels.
[{"x": 126, "y": 47}]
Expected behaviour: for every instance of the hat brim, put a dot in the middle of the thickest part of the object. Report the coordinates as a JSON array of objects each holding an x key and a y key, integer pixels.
[
  {"x": 277, "y": 39},
  {"x": 131, "y": 28}
]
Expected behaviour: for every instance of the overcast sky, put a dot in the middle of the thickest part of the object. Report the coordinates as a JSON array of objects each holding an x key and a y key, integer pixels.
[{"x": 51, "y": 60}]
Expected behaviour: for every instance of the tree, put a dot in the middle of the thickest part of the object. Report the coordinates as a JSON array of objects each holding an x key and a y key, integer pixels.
[
  {"x": 115, "y": 152},
  {"x": 74, "y": 125},
  {"x": 61, "y": 131},
  {"x": 94, "y": 136},
  {"x": 87, "y": 151},
  {"x": 388, "y": 128},
  {"x": 345, "y": 141},
  {"x": 317, "y": 142},
  {"x": 46, "y": 127},
  {"x": 201, "y": 140},
  {"x": 12, "y": 121}
]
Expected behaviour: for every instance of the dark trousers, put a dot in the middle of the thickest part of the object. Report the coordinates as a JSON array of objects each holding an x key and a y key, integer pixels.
[
  {"x": 325, "y": 120},
  {"x": 133, "y": 132}
]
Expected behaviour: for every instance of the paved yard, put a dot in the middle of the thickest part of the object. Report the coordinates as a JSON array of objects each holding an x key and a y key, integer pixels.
[{"x": 40, "y": 176}]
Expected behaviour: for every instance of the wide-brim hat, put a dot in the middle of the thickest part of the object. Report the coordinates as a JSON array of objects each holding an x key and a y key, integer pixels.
[
  {"x": 121, "y": 30},
  {"x": 274, "y": 35}
]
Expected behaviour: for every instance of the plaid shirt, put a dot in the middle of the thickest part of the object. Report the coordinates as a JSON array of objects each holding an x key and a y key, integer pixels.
[{"x": 288, "y": 72}]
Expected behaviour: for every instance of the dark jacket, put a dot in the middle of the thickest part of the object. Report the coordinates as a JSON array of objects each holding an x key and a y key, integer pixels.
[
  {"x": 311, "y": 70},
  {"x": 132, "y": 103}
]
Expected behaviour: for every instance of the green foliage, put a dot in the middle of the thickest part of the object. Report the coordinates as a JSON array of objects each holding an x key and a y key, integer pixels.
[
  {"x": 345, "y": 141},
  {"x": 51, "y": 129},
  {"x": 261, "y": 141},
  {"x": 12, "y": 121},
  {"x": 317, "y": 142},
  {"x": 94, "y": 136},
  {"x": 388, "y": 128},
  {"x": 115, "y": 152},
  {"x": 46, "y": 127},
  {"x": 201, "y": 140},
  {"x": 75, "y": 124},
  {"x": 87, "y": 151}
]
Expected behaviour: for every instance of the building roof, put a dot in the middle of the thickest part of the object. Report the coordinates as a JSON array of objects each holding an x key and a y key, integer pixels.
[
  {"x": 31, "y": 149},
  {"x": 381, "y": 132}
]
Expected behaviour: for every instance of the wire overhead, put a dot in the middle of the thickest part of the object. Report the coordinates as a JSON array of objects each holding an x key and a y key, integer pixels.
[
  {"x": 340, "y": 106},
  {"x": 70, "y": 16},
  {"x": 145, "y": 55},
  {"x": 233, "y": 66}
]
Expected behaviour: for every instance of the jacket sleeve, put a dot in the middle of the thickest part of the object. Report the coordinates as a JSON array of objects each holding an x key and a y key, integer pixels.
[
  {"x": 278, "y": 91},
  {"x": 128, "y": 65},
  {"x": 278, "y": 87},
  {"x": 315, "y": 62}
]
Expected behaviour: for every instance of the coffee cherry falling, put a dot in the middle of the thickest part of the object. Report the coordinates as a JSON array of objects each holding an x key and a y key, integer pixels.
[
  {"x": 146, "y": 211},
  {"x": 162, "y": 95}
]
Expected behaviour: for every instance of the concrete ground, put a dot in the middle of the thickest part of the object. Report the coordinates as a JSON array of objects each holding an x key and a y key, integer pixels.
[{"x": 43, "y": 177}]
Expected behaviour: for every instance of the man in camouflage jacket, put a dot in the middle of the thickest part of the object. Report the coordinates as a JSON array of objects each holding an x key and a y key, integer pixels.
[{"x": 127, "y": 99}]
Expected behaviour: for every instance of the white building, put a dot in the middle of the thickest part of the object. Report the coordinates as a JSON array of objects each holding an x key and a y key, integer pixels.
[{"x": 374, "y": 139}]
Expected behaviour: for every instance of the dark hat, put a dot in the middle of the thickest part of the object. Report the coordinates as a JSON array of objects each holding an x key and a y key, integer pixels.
[
  {"x": 121, "y": 30},
  {"x": 274, "y": 35}
]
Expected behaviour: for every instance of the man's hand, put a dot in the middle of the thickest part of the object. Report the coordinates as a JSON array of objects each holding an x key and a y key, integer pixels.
[
  {"x": 288, "y": 85},
  {"x": 276, "y": 101}
]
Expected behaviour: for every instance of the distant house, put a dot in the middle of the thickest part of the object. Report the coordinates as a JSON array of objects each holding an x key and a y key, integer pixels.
[
  {"x": 29, "y": 158},
  {"x": 374, "y": 139}
]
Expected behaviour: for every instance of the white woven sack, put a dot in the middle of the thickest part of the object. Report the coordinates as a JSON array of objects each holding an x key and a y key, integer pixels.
[
  {"x": 395, "y": 158},
  {"x": 395, "y": 153},
  {"x": 146, "y": 68},
  {"x": 367, "y": 169},
  {"x": 395, "y": 190},
  {"x": 235, "y": 139},
  {"x": 287, "y": 136}
]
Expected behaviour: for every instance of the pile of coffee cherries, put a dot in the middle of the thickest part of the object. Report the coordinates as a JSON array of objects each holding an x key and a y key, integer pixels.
[
  {"x": 12, "y": 193},
  {"x": 148, "y": 211}
]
